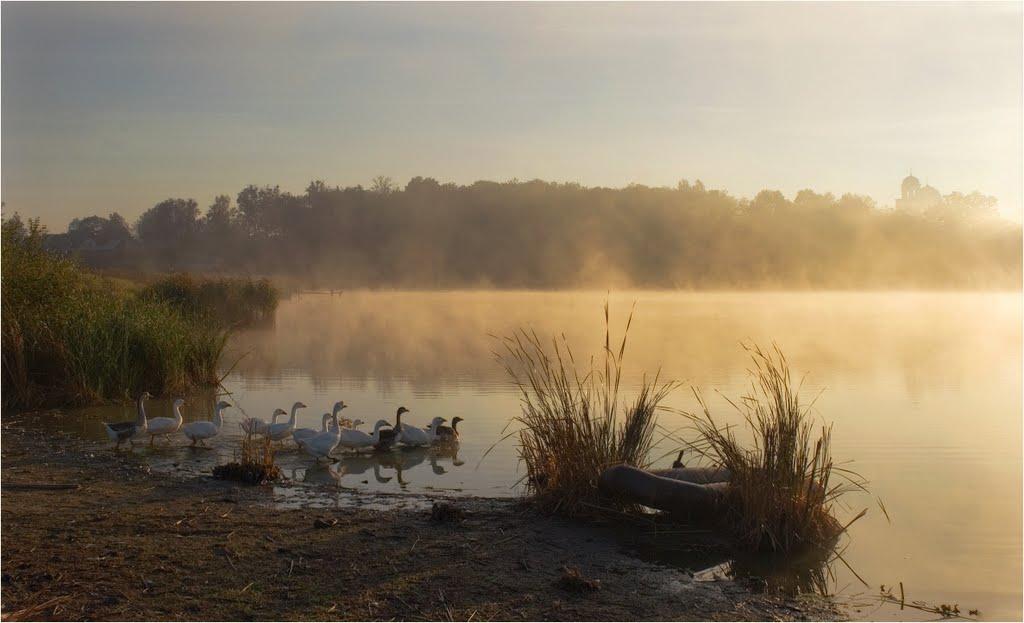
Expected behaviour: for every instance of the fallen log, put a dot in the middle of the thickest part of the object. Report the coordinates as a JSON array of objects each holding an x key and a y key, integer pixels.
[
  {"x": 671, "y": 494},
  {"x": 698, "y": 475}
]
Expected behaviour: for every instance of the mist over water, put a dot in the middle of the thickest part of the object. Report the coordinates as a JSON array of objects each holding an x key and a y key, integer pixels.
[{"x": 923, "y": 391}]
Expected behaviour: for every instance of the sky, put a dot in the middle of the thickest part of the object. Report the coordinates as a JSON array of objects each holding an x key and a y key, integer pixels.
[{"x": 116, "y": 107}]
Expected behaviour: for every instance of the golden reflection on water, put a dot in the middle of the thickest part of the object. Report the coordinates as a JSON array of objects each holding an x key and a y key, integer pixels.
[{"x": 923, "y": 389}]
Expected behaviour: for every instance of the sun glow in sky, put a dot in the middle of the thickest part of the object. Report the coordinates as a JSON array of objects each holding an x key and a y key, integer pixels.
[{"x": 114, "y": 108}]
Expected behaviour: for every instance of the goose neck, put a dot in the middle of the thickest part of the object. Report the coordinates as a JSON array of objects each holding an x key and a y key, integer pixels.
[{"x": 141, "y": 419}]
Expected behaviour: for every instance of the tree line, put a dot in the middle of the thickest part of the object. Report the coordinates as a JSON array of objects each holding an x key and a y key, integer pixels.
[{"x": 538, "y": 234}]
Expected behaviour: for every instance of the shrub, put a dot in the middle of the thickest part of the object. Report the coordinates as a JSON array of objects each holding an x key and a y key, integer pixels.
[
  {"x": 226, "y": 301},
  {"x": 69, "y": 337}
]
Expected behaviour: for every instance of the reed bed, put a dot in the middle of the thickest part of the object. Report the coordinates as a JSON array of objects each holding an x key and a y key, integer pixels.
[
  {"x": 784, "y": 485},
  {"x": 576, "y": 421},
  {"x": 69, "y": 337},
  {"x": 234, "y": 301}
]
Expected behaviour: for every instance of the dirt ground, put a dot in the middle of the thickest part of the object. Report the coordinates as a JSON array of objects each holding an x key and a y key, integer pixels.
[{"x": 128, "y": 544}]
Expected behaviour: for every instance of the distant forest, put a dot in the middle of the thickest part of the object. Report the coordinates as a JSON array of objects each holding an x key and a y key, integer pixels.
[{"x": 549, "y": 235}]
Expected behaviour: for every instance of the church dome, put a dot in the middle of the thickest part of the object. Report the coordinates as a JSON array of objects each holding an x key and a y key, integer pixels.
[
  {"x": 910, "y": 187},
  {"x": 929, "y": 193}
]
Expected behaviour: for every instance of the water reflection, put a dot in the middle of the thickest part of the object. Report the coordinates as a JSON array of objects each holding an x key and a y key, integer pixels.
[
  {"x": 353, "y": 469},
  {"x": 924, "y": 390}
]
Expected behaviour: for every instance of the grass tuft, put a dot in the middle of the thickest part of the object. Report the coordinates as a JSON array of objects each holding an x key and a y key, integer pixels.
[
  {"x": 574, "y": 423},
  {"x": 782, "y": 490},
  {"x": 254, "y": 462}
]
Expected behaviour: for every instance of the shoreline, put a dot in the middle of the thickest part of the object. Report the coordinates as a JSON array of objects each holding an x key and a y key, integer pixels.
[{"x": 130, "y": 543}]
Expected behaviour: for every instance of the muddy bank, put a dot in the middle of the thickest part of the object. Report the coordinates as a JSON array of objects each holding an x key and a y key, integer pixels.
[{"x": 131, "y": 544}]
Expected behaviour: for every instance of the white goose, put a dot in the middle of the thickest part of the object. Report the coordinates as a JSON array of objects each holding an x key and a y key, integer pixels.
[
  {"x": 354, "y": 439},
  {"x": 412, "y": 436},
  {"x": 165, "y": 426},
  {"x": 303, "y": 433},
  {"x": 343, "y": 422},
  {"x": 127, "y": 431},
  {"x": 322, "y": 444},
  {"x": 282, "y": 430},
  {"x": 257, "y": 426},
  {"x": 201, "y": 431},
  {"x": 433, "y": 429}
]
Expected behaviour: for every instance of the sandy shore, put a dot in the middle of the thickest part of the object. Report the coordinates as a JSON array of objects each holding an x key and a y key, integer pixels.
[{"x": 130, "y": 544}]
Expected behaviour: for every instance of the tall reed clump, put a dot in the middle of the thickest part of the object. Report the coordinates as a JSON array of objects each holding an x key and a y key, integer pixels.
[
  {"x": 576, "y": 422},
  {"x": 229, "y": 301},
  {"x": 70, "y": 338},
  {"x": 782, "y": 491}
]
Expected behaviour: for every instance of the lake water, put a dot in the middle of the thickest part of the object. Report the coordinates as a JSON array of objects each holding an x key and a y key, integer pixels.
[{"x": 923, "y": 389}]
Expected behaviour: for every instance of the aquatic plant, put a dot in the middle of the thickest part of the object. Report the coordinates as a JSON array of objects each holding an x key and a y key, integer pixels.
[
  {"x": 69, "y": 337},
  {"x": 781, "y": 492},
  {"x": 576, "y": 422},
  {"x": 254, "y": 462},
  {"x": 230, "y": 301}
]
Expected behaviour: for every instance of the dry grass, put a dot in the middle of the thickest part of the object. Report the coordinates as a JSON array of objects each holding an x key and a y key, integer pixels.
[
  {"x": 782, "y": 491},
  {"x": 254, "y": 462},
  {"x": 574, "y": 423}
]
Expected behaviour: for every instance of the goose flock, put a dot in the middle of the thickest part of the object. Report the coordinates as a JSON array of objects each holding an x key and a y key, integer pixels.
[{"x": 334, "y": 432}]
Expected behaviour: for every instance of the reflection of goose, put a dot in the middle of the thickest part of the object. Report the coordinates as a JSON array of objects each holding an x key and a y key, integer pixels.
[
  {"x": 320, "y": 445},
  {"x": 201, "y": 431},
  {"x": 449, "y": 433},
  {"x": 281, "y": 430},
  {"x": 127, "y": 431},
  {"x": 444, "y": 452},
  {"x": 304, "y": 433},
  {"x": 165, "y": 425},
  {"x": 391, "y": 437},
  {"x": 355, "y": 439},
  {"x": 406, "y": 459},
  {"x": 322, "y": 474},
  {"x": 358, "y": 464},
  {"x": 256, "y": 426}
]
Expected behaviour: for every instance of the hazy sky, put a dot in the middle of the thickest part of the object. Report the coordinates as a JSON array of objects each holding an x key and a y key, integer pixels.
[{"x": 115, "y": 107}]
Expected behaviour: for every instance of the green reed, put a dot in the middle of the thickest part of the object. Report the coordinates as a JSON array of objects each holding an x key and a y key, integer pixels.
[
  {"x": 230, "y": 301},
  {"x": 70, "y": 337}
]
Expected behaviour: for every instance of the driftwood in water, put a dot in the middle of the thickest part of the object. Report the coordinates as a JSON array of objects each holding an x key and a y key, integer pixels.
[
  {"x": 674, "y": 494},
  {"x": 698, "y": 475}
]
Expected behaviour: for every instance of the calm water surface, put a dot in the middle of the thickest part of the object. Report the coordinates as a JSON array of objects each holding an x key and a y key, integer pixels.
[{"x": 923, "y": 389}]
